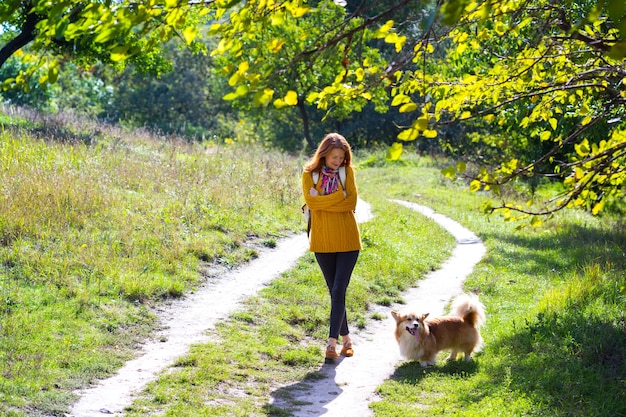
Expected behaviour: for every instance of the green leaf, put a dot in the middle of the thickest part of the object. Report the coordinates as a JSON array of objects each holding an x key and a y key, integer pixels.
[
  {"x": 53, "y": 74},
  {"x": 449, "y": 172},
  {"x": 104, "y": 35},
  {"x": 119, "y": 54}
]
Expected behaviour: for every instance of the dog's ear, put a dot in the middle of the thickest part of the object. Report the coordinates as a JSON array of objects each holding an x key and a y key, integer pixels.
[
  {"x": 425, "y": 315},
  {"x": 396, "y": 316}
]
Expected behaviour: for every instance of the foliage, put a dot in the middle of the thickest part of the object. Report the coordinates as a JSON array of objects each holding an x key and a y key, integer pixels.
[
  {"x": 89, "y": 32},
  {"x": 80, "y": 91},
  {"x": 548, "y": 78},
  {"x": 185, "y": 101},
  {"x": 268, "y": 54}
]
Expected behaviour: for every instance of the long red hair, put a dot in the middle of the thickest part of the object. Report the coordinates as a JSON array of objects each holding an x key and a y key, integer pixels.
[{"x": 330, "y": 142}]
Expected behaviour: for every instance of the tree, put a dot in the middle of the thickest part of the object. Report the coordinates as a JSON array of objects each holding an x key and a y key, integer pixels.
[
  {"x": 275, "y": 58},
  {"x": 545, "y": 76},
  {"x": 114, "y": 32}
]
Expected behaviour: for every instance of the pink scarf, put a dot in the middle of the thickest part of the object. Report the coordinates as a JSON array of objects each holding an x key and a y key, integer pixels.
[{"x": 330, "y": 180}]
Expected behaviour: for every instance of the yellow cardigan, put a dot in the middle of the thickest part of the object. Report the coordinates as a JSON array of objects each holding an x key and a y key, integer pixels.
[{"x": 333, "y": 224}]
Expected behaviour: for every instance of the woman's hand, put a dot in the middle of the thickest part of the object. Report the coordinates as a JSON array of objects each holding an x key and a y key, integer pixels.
[{"x": 313, "y": 192}]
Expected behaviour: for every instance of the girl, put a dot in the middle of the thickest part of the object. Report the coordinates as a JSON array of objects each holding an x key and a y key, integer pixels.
[{"x": 334, "y": 236}]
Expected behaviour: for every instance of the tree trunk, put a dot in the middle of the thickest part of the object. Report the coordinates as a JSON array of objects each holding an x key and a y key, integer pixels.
[
  {"x": 305, "y": 123},
  {"x": 26, "y": 36}
]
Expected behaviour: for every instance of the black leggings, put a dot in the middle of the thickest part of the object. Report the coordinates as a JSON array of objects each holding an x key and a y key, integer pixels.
[{"x": 337, "y": 269}]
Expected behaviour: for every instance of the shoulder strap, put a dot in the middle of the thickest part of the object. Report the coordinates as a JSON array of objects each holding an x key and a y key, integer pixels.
[
  {"x": 316, "y": 177},
  {"x": 342, "y": 176}
]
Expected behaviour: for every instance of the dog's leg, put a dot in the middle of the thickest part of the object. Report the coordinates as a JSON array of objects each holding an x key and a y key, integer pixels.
[{"x": 453, "y": 355}]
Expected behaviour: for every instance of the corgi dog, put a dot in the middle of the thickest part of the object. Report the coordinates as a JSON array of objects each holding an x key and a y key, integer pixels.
[{"x": 421, "y": 338}]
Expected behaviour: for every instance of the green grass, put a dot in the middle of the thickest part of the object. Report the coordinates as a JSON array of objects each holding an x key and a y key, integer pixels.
[
  {"x": 556, "y": 333},
  {"x": 100, "y": 226},
  {"x": 278, "y": 336},
  {"x": 91, "y": 236}
]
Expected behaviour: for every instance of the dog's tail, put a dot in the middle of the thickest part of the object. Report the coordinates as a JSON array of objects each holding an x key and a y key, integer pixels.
[{"x": 468, "y": 307}]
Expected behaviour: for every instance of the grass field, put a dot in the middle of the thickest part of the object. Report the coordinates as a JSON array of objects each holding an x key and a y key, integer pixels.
[{"x": 97, "y": 226}]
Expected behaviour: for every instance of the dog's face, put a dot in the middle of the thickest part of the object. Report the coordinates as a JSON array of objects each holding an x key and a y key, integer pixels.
[{"x": 410, "y": 322}]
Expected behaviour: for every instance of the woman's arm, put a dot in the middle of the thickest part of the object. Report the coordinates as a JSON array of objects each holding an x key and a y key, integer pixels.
[{"x": 336, "y": 201}]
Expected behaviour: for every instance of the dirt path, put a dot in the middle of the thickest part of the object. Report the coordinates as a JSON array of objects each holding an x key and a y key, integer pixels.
[
  {"x": 186, "y": 321},
  {"x": 349, "y": 386}
]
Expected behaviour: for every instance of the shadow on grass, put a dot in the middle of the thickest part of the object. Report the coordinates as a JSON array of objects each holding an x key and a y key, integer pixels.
[
  {"x": 567, "y": 362},
  {"x": 564, "y": 250},
  {"x": 413, "y": 373},
  {"x": 571, "y": 362}
]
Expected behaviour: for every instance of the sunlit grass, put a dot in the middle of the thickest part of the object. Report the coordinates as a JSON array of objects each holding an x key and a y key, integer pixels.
[
  {"x": 97, "y": 226},
  {"x": 92, "y": 235},
  {"x": 278, "y": 337},
  {"x": 556, "y": 331}
]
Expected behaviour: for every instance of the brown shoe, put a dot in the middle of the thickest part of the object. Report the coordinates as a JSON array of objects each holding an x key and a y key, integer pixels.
[
  {"x": 331, "y": 354},
  {"x": 346, "y": 350}
]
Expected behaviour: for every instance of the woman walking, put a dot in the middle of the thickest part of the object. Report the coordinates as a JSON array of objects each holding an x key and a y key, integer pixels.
[{"x": 330, "y": 193}]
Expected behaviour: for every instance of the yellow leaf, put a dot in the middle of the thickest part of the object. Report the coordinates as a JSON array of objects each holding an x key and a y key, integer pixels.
[
  {"x": 400, "y": 99},
  {"x": 243, "y": 67},
  {"x": 545, "y": 135},
  {"x": 475, "y": 186},
  {"x": 291, "y": 98},
  {"x": 279, "y": 103},
  {"x": 261, "y": 98},
  {"x": 582, "y": 148},
  {"x": 394, "y": 151},
  {"x": 360, "y": 73},
  {"x": 275, "y": 45},
  {"x": 584, "y": 110},
  {"x": 189, "y": 34},
  {"x": 586, "y": 121},
  {"x": 598, "y": 207},
  {"x": 409, "y": 134},
  {"x": 430, "y": 133},
  {"x": 422, "y": 123},
  {"x": 299, "y": 11},
  {"x": 553, "y": 123},
  {"x": 242, "y": 90},
  {"x": 400, "y": 41},
  {"x": 407, "y": 108},
  {"x": 449, "y": 172},
  {"x": 278, "y": 19}
]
